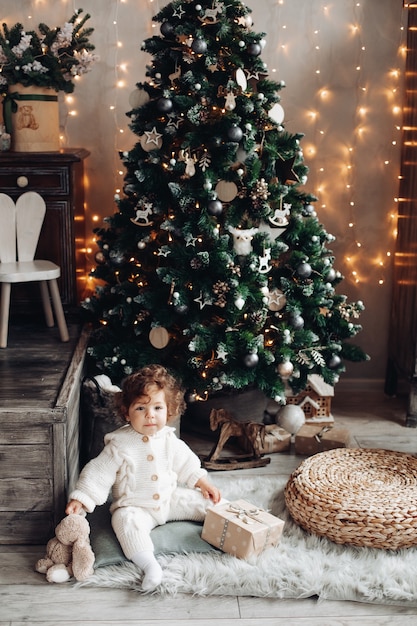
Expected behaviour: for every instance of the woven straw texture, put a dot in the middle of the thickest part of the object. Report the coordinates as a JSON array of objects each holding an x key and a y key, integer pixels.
[{"x": 357, "y": 496}]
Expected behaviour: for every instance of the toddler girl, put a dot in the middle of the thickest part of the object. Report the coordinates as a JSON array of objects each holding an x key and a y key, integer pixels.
[{"x": 143, "y": 463}]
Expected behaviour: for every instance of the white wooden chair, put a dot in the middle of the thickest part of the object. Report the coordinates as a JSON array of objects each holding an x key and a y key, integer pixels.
[{"x": 21, "y": 224}]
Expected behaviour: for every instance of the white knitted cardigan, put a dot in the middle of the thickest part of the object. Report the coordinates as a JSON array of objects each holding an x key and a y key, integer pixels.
[{"x": 140, "y": 470}]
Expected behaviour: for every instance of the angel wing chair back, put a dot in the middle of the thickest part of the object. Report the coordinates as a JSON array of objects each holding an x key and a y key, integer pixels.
[{"x": 20, "y": 227}]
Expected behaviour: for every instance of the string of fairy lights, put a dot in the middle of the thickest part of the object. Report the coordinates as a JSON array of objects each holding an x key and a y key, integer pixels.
[
  {"x": 327, "y": 164},
  {"x": 123, "y": 80},
  {"x": 347, "y": 162}
]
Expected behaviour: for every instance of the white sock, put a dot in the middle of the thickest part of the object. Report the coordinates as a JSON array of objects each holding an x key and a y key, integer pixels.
[{"x": 153, "y": 572}]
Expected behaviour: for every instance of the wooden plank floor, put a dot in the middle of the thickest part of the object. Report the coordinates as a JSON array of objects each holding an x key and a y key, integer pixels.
[{"x": 30, "y": 371}]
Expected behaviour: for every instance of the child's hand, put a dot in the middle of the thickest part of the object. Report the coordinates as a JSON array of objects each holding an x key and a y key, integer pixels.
[
  {"x": 208, "y": 490},
  {"x": 74, "y": 506}
]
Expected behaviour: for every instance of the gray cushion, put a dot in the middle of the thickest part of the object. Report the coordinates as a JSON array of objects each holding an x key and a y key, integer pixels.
[{"x": 173, "y": 537}]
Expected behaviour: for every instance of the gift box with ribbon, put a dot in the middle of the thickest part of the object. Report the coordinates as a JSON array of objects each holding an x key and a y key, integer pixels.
[
  {"x": 241, "y": 529},
  {"x": 313, "y": 438}
]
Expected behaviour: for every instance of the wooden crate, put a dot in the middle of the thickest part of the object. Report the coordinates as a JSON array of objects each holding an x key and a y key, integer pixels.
[{"x": 39, "y": 445}]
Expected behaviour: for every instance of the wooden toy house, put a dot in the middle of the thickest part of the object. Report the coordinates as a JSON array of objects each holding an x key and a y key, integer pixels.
[{"x": 315, "y": 400}]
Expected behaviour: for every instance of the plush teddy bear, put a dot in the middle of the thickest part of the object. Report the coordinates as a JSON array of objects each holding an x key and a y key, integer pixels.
[{"x": 69, "y": 553}]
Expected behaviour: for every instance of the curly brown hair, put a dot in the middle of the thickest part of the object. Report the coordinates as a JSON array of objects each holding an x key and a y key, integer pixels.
[{"x": 140, "y": 384}]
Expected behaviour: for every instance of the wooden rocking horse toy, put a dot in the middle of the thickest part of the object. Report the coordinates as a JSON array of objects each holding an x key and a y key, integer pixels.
[{"x": 253, "y": 432}]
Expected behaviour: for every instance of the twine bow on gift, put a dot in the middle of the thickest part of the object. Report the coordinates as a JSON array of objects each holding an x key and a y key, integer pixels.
[
  {"x": 276, "y": 434},
  {"x": 10, "y": 104},
  {"x": 248, "y": 516},
  {"x": 319, "y": 436}
]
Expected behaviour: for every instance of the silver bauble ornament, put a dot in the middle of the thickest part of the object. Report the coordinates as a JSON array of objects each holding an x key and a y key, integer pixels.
[
  {"x": 334, "y": 361},
  {"x": 215, "y": 207},
  {"x": 199, "y": 46},
  {"x": 331, "y": 274},
  {"x": 164, "y": 105},
  {"x": 291, "y": 417},
  {"x": 166, "y": 29},
  {"x": 235, "y": 133},
  {"x": 251, "y": 360},
  {"x": 254, "y": 49},
  {"x": 297, "y": 322},
  {"x": 304, "y": 270},
  {"x": 285, "y": 369}
]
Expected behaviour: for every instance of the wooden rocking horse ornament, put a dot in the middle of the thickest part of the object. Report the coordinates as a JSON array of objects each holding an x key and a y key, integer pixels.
[{"x": 252, "y": 432}]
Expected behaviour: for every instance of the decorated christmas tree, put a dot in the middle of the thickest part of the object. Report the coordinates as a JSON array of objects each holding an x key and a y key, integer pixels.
[{"x": 215, "y": 263}]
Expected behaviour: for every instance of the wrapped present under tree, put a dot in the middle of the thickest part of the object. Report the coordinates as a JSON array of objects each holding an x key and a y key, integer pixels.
[
  {"x": 241, "y": 529},
  {"x": 314, "y": 438}
]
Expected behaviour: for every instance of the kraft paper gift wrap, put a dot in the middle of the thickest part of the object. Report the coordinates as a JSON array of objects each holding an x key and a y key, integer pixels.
[
  {"x": 241, "y": 529},
  {"x": 276, "y": 440},
  {"x": 311, "y": 439}
]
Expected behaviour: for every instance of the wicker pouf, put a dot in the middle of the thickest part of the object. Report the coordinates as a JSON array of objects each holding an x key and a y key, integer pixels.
[{"x": 356, "y": 496}]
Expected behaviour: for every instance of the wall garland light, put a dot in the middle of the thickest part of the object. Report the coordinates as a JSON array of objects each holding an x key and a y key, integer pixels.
[{"x": 334, "y": 178}]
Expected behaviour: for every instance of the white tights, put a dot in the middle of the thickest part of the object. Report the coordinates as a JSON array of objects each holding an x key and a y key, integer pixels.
[{"x": 133, "y": 526}]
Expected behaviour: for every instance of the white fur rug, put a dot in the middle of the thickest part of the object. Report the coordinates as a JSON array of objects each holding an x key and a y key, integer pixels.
[{"x": 302, "y": 565}]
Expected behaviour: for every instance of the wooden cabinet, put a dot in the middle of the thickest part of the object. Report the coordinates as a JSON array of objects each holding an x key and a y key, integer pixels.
[{"x": 59, "y": 178}]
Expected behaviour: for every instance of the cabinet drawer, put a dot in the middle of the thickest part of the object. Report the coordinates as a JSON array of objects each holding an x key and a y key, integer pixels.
[{"x": 50, "y": 181}]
